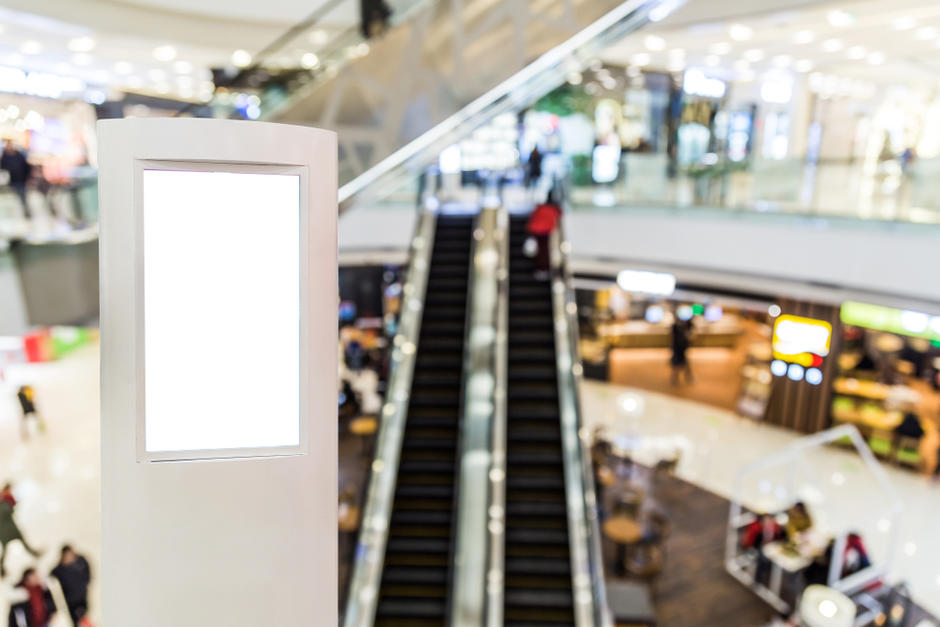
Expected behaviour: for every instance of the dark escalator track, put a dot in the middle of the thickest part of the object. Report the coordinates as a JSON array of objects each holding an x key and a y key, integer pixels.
[
  {"x": 537, "y": 558},
  {"x": 417, "y": 572}
]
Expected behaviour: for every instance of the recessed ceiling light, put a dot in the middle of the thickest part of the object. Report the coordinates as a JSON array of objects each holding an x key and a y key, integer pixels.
[
  {"x": 654, "y": 43},
  {"x": 803, "y": 65},
  {"x": 123, "y": 67},
  {"x": 926, "y": 33},
  {"x": 241, "y": 58},
  {"x": 876, "y": 58},
  {"x": 712, "y": 60},
  {"x": 856, "y": 52},
  {"x": 904, "y": 23},
  {"x": 640, "y": 59},
  {"x": 81, "y": 58},
  {"x": 182, "y": 67},
  {"x": 31, "y": 47},
  {"x": 81, "y": 44},
  {"x": 740, "y": 32},
  {"x": 164, "y": 53},
  {"x": 782, "y": 61},
  {"x": 156, "y": 75},
  {"x": 754, "y": 55},
  {"x": 310, "y": 60},
  {"x": 833, "y": 45},
  {"x": 720, "y": 47},
  {"x": 803, "y": 37},
  {"x": 840, "y": 19}
]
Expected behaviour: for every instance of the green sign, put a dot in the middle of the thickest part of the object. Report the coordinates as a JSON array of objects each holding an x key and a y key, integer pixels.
[{"x": 900, "y": 321}]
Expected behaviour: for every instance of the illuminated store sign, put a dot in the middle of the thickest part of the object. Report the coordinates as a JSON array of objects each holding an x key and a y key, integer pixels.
[
  {"x": 657, "y": 283},
  {"x": 695, "y": 83},
  {"x": 16, "y": 81},
  {"x": 900, "y": 321},
  {"x": 802, "y": 343}
]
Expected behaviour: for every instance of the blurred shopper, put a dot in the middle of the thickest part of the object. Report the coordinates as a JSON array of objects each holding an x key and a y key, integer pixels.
[
  {"x": 374, "y": 14},
  {"x": 680, "y": 346},
  {"x": 17, "y": 166},
  {"x": 533, "y": 171},
  {"x": 32, "y": 604},
  {"x": 910, "y": 427},
  {"x": 9, "y": 531},
  {"x": 26, "y": 395},
  {"x": 74, "y": 575},
  {"x": 762, "y": 532},
  {"x": 798, "y": 521},
  {"x": 542, "y": 223}
]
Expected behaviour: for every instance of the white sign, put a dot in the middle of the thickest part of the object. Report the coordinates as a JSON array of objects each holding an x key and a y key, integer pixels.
[
  {"x": 695, "y": 83},
  {"x": 16, "y": 81},
  {"x": 221, "y": 331},
  {"x": 657, "y": 283}
]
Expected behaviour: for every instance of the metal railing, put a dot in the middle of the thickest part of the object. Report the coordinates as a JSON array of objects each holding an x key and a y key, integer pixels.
[
  {"x": 476, "y": 535},
  {"x": 373, "y": 536},
  {"x": 587, "y": 568}
]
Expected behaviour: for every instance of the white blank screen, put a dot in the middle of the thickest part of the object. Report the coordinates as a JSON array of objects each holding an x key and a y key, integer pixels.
[{"x": 221, "y": 310}]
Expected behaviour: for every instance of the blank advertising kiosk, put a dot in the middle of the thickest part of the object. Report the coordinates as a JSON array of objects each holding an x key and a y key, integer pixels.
[{"x": 218, "y": 373}]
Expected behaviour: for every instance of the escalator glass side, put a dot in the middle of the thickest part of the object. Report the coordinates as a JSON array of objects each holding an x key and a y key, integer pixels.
[
  {"x": 417, "y": 572},
  {"x": 538, "y": 584}
]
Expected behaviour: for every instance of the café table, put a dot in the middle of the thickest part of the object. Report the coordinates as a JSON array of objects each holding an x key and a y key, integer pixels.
[
  {"x": 784, "y": 559},
  {"x": 622, "y": 531}
]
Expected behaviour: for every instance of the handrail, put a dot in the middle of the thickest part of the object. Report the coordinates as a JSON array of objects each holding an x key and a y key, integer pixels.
[
  {"x": 362, "y": 600},
  {"x": 525, "y": 86},
  {"x": 590, "y": 594},
  {"x": 472, "y": 540},
  {"x": 496, "y": 564}
]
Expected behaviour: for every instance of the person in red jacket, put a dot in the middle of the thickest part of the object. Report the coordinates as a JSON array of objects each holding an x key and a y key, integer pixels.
[{"x": 542, "y": 222}]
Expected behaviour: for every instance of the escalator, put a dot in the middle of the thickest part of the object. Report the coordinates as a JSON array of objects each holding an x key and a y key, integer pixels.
[
  {"x": 538, "y": 579},
  {"x": 416, "y": 578}
]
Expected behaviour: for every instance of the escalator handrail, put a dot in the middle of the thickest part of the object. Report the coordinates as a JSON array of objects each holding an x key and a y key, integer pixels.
[
  {"x": 536, "y": 79},
  {"x": 587, "y": 562},
  {"x": 473, "y": 536},
  {"x": 363, "y": 595}
]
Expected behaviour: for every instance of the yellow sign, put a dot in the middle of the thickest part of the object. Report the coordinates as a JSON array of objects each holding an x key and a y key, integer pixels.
[{"x": 803, "y": 341}]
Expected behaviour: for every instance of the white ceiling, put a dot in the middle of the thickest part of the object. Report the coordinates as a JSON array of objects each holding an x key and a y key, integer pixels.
[
  {"x": 877, "y": 41},
  {"x": 35, "y": 35}
]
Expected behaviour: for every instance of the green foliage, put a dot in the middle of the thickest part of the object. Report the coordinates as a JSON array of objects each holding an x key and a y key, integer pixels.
[{"x": 566, "y": 100}]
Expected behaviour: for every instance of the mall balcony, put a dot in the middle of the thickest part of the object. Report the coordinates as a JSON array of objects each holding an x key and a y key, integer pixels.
[{"x": 707, "y": 394}]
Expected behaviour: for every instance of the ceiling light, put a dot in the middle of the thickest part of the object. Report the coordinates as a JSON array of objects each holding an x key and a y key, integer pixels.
[
  {"x": 856, "y": 52},
  {"x": 720, "y": 47},
  {"x": 741, "y": 65},
  {"x": 712, "y": 60},
  {"x": 123, "y": 67},
  {"x": 833, "y": 45},
  {"x": 241, "y": 58},
  {"x": 63, "y": 68},
  {"x": 575, "y": 78},
  {"x": 677, "y": 53},
  {"x": 156, "y": 75},
  {"x": 803, "y": 37},
  {"x": 904, "y": 23},
  {"x": 81, "y": 58},
  {"x": 926, "y": 33},
  {"x": 740, "y": 32},
  {"x": 31, "y": 47},
  {"x": 164, "y": 53},
  {"x": 675, "y": 65},
  {"x": 876, "y": 58},
  {"x": 782, "y": 60},
  {"x": 163, "y": 88},
  {"x": 309, "y": 60},
  {"x": 754, "y": 55},
  {"x": 81, "y": 44},
  {"x": 182, "y": 67},
  {"x": 840, "y": 19},
  {"x": 640, "y": 59},
  {"x": 654, "y": 43},
  {"x": 803, "y": 65}
]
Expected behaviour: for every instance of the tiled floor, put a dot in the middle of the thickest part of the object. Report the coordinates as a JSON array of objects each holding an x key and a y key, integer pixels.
[{"x": 57, "y": 474}]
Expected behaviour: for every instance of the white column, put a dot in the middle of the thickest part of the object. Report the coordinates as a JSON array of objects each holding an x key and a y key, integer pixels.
[{"x": 218, "y": 373}]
